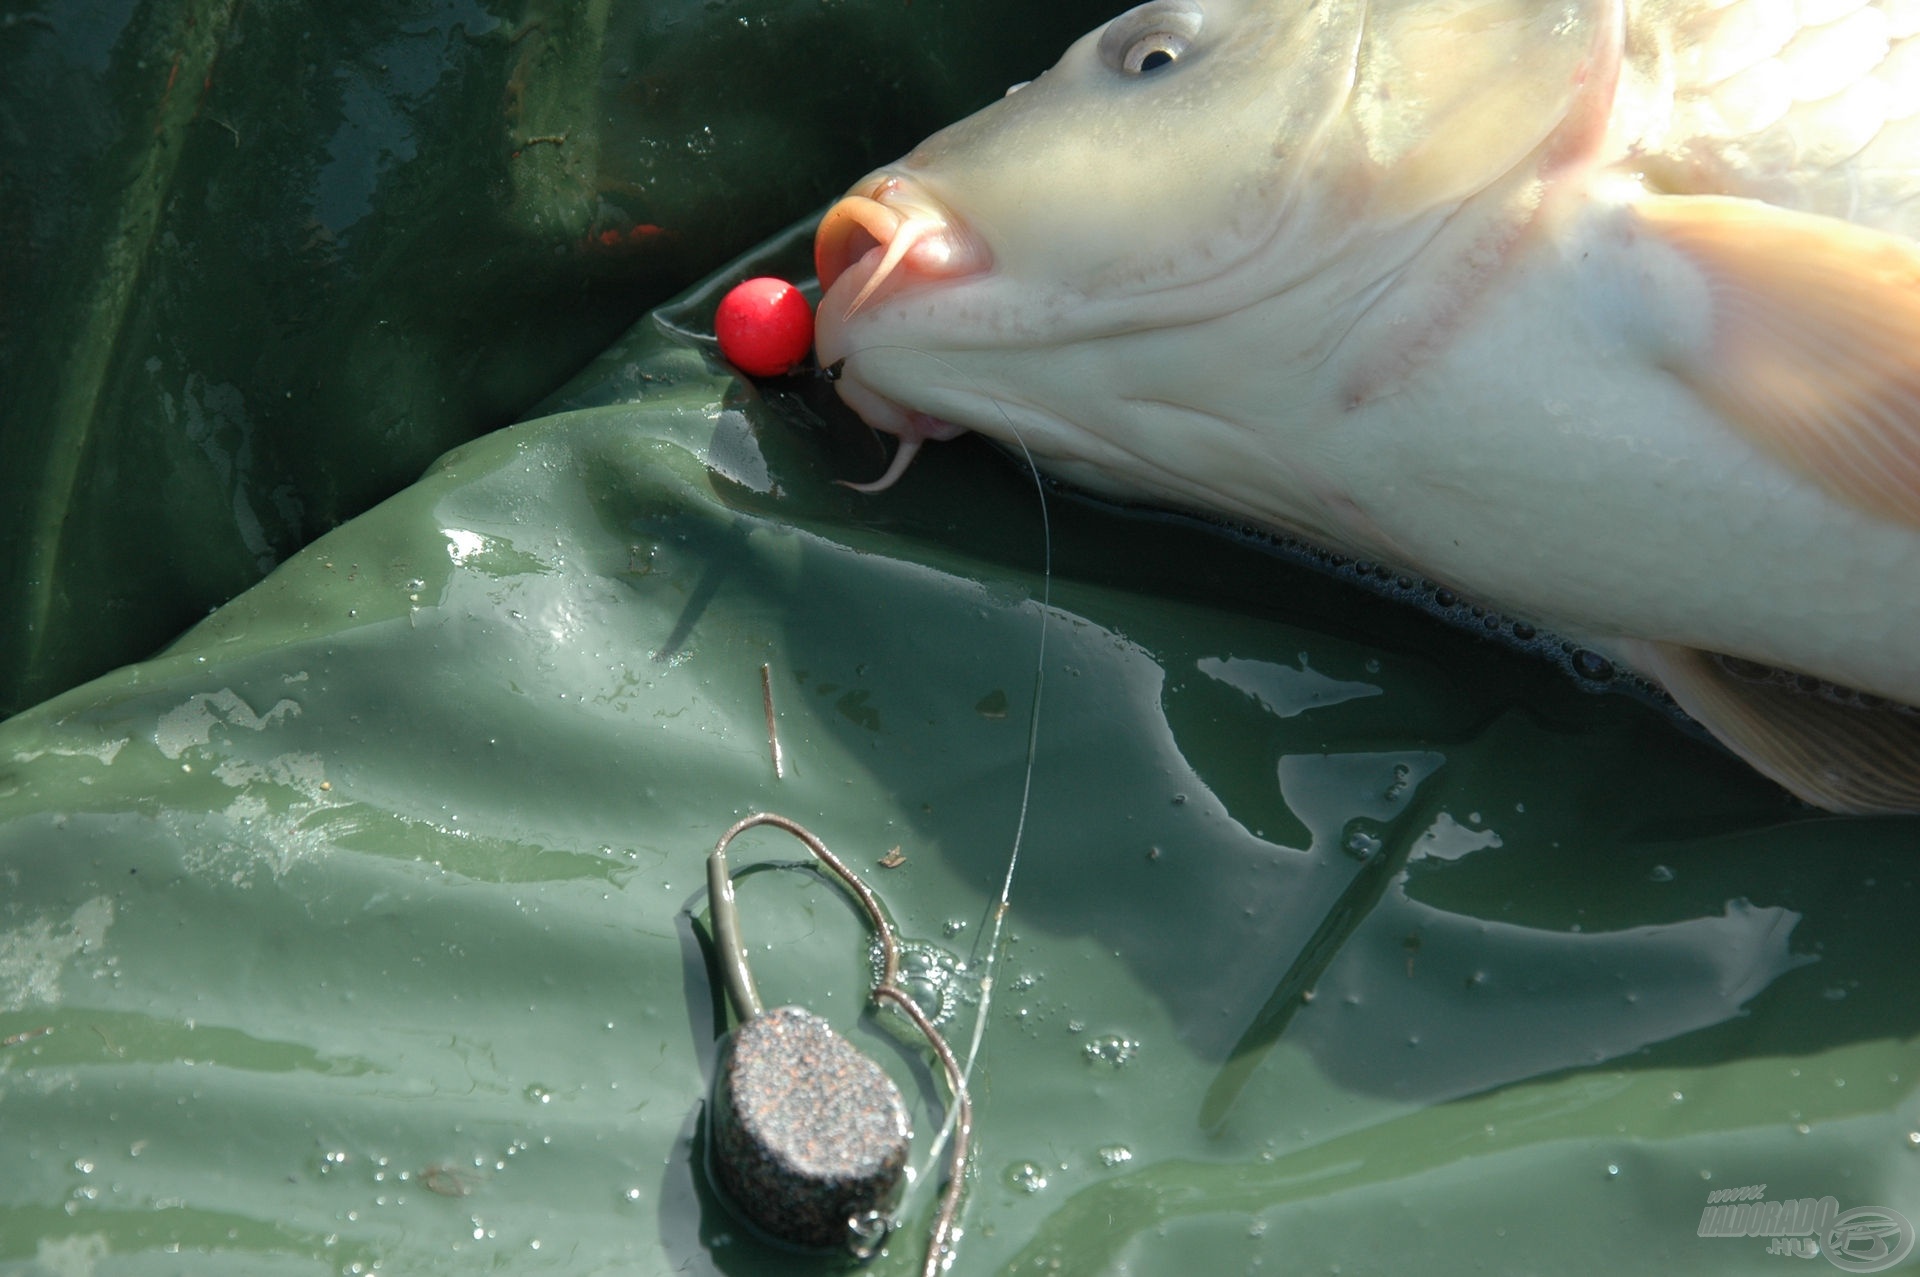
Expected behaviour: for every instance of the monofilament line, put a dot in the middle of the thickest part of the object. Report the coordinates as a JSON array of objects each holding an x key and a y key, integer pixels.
[{"x": 986, "y": 951}]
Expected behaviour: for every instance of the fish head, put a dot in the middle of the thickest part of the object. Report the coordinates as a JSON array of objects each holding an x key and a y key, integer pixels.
[{"x": 1063, "y": 269}]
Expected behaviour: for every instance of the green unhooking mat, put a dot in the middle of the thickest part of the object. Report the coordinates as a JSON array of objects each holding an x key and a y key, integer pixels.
[{"x": 363, "y": 929}]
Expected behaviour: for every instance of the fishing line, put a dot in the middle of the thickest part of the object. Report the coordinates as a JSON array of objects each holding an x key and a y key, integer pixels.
[{"x": 986, "y": 950}]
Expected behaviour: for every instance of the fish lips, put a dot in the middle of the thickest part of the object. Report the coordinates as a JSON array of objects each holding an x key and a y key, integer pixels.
[
  {"x": 890, "y": 234},
  {"x": 888, "y": 239}
]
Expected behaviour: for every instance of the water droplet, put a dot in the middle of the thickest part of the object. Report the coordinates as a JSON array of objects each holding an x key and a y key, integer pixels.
[
  {"x": 1661, "y": 873},
  {"x": 631, "y": 1195},
  {"x": 1111, "y": 1050},
  {"x": 1361, "y": 844},
  {"x": 1613, "y": 1170},
  {"x": 1113, "y": 1155},
  {"x": 867, "y": 1233},
  {"x": 1028, "y": 1177},
  {"x": 1592, "y": 665}
]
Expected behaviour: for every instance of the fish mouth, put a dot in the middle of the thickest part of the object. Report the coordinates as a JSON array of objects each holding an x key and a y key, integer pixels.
[
  {"x": 890, "y": 236},
  {"x": 886, "y": 239}
]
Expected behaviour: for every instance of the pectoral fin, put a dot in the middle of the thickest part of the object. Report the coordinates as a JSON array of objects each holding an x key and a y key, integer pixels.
[
  {"x": 1815, "y": 342},
  {"x": 1836, "y": 750}
]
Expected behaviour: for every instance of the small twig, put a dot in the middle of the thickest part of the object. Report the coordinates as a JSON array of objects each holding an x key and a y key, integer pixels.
[
  {"x": 887, "y": 989},
  {"x": 773, "y": 735}
]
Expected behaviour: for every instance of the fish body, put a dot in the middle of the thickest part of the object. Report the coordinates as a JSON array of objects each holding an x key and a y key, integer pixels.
[{"x": 1605, "y": 313}]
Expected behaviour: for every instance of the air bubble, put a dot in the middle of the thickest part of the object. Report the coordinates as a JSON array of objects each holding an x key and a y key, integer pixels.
[
  {"x": 927, "y": 975},
  {"x": 1113, "y": 1155}
]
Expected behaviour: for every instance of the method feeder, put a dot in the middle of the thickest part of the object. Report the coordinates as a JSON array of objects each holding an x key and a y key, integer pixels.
[{"x": 809, "y": 1136}]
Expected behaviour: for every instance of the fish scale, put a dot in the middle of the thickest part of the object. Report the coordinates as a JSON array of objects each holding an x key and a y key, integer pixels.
[{"x": 1814, "y": 106}]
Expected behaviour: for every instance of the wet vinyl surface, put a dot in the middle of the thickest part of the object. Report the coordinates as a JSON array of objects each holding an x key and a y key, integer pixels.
[{"x": 363, "y": 930}]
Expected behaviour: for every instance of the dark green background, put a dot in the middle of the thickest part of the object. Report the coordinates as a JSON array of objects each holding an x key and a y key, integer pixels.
[{"x": 261, "y": 262}]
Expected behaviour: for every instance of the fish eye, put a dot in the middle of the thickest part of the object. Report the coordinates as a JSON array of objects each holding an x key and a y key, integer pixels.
[
  {"x": 1150, "y": 37},
  {"x": 1152, "y": 52}
]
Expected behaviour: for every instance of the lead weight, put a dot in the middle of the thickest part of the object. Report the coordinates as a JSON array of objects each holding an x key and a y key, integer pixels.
[{"x": 809, "y": 1136}]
